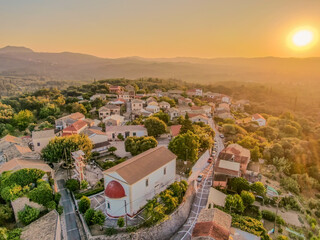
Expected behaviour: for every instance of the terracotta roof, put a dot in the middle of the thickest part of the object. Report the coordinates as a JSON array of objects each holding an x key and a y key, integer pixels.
[
  {"x": 175, "y": 129},
  {"x": 76, "y": 116},
  {"x": 114, "y": 190},
  {"x": 136, "y": 101},
  {"x": 10, "y": 138},
  {"x": 78, "y": 125},
  {"x": 109, "y": 107},
  {"x": 143, "y": 164},
  {"x": 101, "y": 144},
  {"x": 239, "y": 153},
  {"x": 192, "y": 115},
  {"x": 20, "y": 163},
  {"x": 22, "y": 149},
  {"x": 257, "y": 116},
  {"x": 196, "y": 108}
]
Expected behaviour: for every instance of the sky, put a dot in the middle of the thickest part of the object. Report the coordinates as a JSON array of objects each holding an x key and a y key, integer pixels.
[{"x": 153, "y": 28}]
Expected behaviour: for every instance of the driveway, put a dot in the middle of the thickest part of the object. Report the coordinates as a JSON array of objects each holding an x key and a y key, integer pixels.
[{"x": 68, "y": 212}]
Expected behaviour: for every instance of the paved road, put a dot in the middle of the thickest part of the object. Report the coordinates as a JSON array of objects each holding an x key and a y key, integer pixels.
[
  {"x": 200, "y": 202},
  {"x": 69, "y": 212}
]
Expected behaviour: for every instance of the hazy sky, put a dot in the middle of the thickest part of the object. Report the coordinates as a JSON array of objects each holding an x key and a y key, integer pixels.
[{"x": 158, "y": 28}]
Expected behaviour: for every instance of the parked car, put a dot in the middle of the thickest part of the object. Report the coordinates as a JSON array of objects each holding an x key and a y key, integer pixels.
[
  {"x": 199, "y": 178},
  {"x": 221, "y": 135},
  {"x": 213, "y": 153},
  {"x": 210, "y": 159}
]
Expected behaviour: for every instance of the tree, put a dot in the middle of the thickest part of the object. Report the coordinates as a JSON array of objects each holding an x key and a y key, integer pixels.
[
  {"x": 154, "y": 212},
  {"x": 276, "y": 151},
  {"x": 120, "y": 137},
  {"x": 290, "y": 184},
  {"x": 88, "y": 216},
  {"x": 98, "y": 218},
  {"x": 239, "y": 184},
  {"x": 185, "y": 146},
  {"x": 282, "y": 165},
  {"x": 42, "y": 194},
  {"x": 49, "y": 110},
  {"x": 247, "y": 198},
  {"x": 258, "y": 188},
  {"x": 23, "y": 119},
  {"x": 137, "y": 145},
  {"x": 169, "y": 200},
  {"x": 60, "y": 148},
  {"x": 73, "y": 185},
  {"x": 186, "y": 125},
  {"x": 6, "y": 112},
  {"x": 155, "y": 126},
  {"x": 28, "y": 215},
  {"x": 84, "y": 204},
  {"x": 234, "y": 202},
  {"x": 77, "y": 107},
  {"x": 255, "y": 153},
  {"x": 168, "y": 100},
  {"x": 112, "y": 149},
  {"x": 120, "y": 222},
  {"x": 162, "y": 116},
  {"x": 6, "y": 213}
]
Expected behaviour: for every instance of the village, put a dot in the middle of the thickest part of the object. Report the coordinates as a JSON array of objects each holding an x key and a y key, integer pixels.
[{"x": 156, "y": 165}]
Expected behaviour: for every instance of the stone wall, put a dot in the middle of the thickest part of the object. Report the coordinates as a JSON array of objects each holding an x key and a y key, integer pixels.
[
  {"x": 20, "y": 203},
  {"x": 161, "y": 231}
]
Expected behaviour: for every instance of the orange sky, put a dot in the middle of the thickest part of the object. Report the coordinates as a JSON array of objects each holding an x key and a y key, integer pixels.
[{"x": 166, "y": 28}]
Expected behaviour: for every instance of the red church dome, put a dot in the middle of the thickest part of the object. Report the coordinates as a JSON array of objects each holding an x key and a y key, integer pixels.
[{"x": 114, "y": 190}]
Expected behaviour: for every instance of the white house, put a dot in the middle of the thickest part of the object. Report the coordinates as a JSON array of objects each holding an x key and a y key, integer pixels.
[
  {"x": 152, "y": 108},
  {"x": 114, "y": 120},
  {"x": 259, "y": 119},
  {"x": 198, "y": 118},
  {"x": 98, "y": 95},
  {"x": 40, "y": 139},
  {"x": 130, "y": 184},
  {"x": 225, "y": 99},
  {"x": 173, "y": 113},
  {"x": 164, "y": 105},
  {"x": 136, "y": 105},
  {"x": 108, "y": 110},
  {"x": 126, "y": 131}
]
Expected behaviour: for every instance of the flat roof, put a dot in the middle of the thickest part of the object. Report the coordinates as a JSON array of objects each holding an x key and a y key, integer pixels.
[{"x": 234, "y": 166}]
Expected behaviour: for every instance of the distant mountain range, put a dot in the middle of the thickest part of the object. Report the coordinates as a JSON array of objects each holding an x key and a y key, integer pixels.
[{"x": 76, "y": 66}]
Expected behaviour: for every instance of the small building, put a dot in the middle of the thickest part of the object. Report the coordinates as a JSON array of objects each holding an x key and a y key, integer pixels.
[
  {"x": 150, "y": 99},
  {"x": 225, "y": 99},
  {"x": 197, "y": 110},
  {"x": 184, "y": 101},
  {"x": 164, "y": 105},
  {"x": 118, "y": 101},
  {"x": 259, "y": 119},
  {"x": 75, "y": 128},
  {"x": 130, "y": 184},
  {"x": 12, "y": 147},
  {"x": 216, "y": 198},
  {"x": 115, "y": 89},
  {"x": 173, "y": 113},
  {"x": 153, "y": 108},
  {"x": 198, "y": 118},
  {"x": 207, "y": 109},
  {"x": 194, "y": 92},
  {"x": 136, "y": 105},
  {"x": 114, "y": 120},
  {"x": 129, "y": 88},
  {"x": 40, "y": 139},
  {"x": 112, "y": 132},
  {"x": 175, "y": 130},
  {"x": 126, "y": 96},
  {"x": 99, "y": 139},
  {"x": 108, "y": 110},
  {"x": 66, "y": 121},
  {"x": 79, "y": 164},
  {"x": 98, "y": 95},
  {"x": 225, "y": 170}
]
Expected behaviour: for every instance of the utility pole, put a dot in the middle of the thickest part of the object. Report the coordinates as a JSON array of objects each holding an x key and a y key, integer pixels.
[{"x": 125, "y": 207}]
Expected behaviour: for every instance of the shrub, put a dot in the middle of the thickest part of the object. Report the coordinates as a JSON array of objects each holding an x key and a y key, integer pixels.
[
  {"x": 89, "y": 193},
  {"x": 247, "y": 198},
  {"x": 73, "y": 185},
  {"x": 6, "y": 213},
  {"x": 51, "y": 205},
  {"x": 317, "y": 213},
  {"x": 282, "y": 237},
  {"x": 57, "y": 198},
  {"x": 11, "y": 193},
  {"x": 84, "y": 184},
  {"x": 28, "y": 215},
  {"x": 42, "y": 194},
  {"x": 131, "y": 229},
  {"x": 239, "y": 184},
  {"x": 98, "y": 218},
  {"x": 253, "y": 211},
  {"x": 88, "y": 216},
  {"x": 120, "y": 222},
  {"x": 60, "y": 209},
  {"x": 111, "y": 231},
  {"x": 84, "y": 204},
  {"x": 268, "y": 215},
  {"x": 280, "y": 220},
  {"x": 290, "y": 184}
]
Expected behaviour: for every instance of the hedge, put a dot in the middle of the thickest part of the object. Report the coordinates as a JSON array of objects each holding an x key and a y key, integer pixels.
[{"x": 89, "y": 193}]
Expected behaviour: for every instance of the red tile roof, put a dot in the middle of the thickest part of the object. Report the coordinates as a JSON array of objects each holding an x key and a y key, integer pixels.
[
  {"x": 192, "y": 115},
  {"x": 175, "y": 129},
  {"x": 76, "y": 116},
  {"x": 78, "y": 125},
  {"x": 210, "y": 229},
  {"x": 257, "y": 116}
]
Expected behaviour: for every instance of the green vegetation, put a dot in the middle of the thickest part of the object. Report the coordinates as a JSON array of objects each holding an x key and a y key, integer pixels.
[
  {"x": 73, "y": 185},
  {"x": 84, "y": 204},
  {"x": 155, "y": 126},
  {"x": 120, "y": 222},
  {"x": 28, "y": 215},
  {"x": 137, "y": 145}
]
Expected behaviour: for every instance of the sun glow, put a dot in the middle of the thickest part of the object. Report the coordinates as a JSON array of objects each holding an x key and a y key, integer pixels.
[{"x": 302, "y": 38}]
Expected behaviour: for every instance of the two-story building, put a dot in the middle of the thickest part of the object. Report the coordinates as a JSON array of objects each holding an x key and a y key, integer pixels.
[
  {"x": 136, "y": 105},
  {"x": 129, "y": 185},
  {"x": 112, "y": 132},
  {"x": 108, "y": 110},
  {"x": 164, "y": 105},
  {"x": 40, "y": 139}
]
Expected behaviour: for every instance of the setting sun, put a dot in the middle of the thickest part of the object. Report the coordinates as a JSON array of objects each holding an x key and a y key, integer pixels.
[{"x": 302, "y": 38}]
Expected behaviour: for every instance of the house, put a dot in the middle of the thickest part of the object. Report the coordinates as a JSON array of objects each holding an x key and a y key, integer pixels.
[
  {"x": 136, "y": 105},
  {"x": 114, "y": 120},
  {"x": 216, "y": 198},
  {"x": 112, "y": 132},
  {"x": 184, "y": 101},
  {"x": 75, "y": 128},
  {"x": 207, "y": 110},
  {"x": 108, "y": 110},
  {"x": 158, "y": 92},
  {"x": 197, "y": 110},
  {"x": 178, "y": 92},
  {"x": 240, "y": 104},
  {"x": 66, "y": 121},
  {"x": 174, "y": 130},
  {"x": 12, "y": 147},
  {"x": 98, "y": 95},
  {"x": 115, "y": 89},
  {"x": 173, "y": 113},
  {"x": 194, "y": 92},
  {"x": 225, "y": 99},
  {"x": 126, "y": 96},
  {"x": 212, "y": 224},
  {"x": 46, "y": 227},
  {"x": 152, "y": 108},
  {"x": 198, "y": 118},
  {"x": 164, "y": 105},
  {"x": 130, "y": 88},
  {"x": 150, "y": 99},
  {"x": 232, "y": 162},
  {"x": 184, "y": 110},
  {"x": 98, "y": 138},
  {"x": 118, "y": 101},
  {"x": 212, "y": 95},
  {"x": 40, "y": 139},
  {"x": 129, "y": 185},
  {"x": 259, "y": 119}
]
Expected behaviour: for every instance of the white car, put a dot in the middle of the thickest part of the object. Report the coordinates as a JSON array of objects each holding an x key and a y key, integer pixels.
[
  {"x": 199, "y": 178},
  {"x": 221, "y": 135}
]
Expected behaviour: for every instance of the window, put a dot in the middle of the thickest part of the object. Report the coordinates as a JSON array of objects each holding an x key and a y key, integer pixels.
[
  {"x": 147, "y": 182},
  {"x": 134, "y": 134},
  {"x": 108, "y": 205},
  {"x": 165, "y": 171},
  {"x": 38, "y": 144}
]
